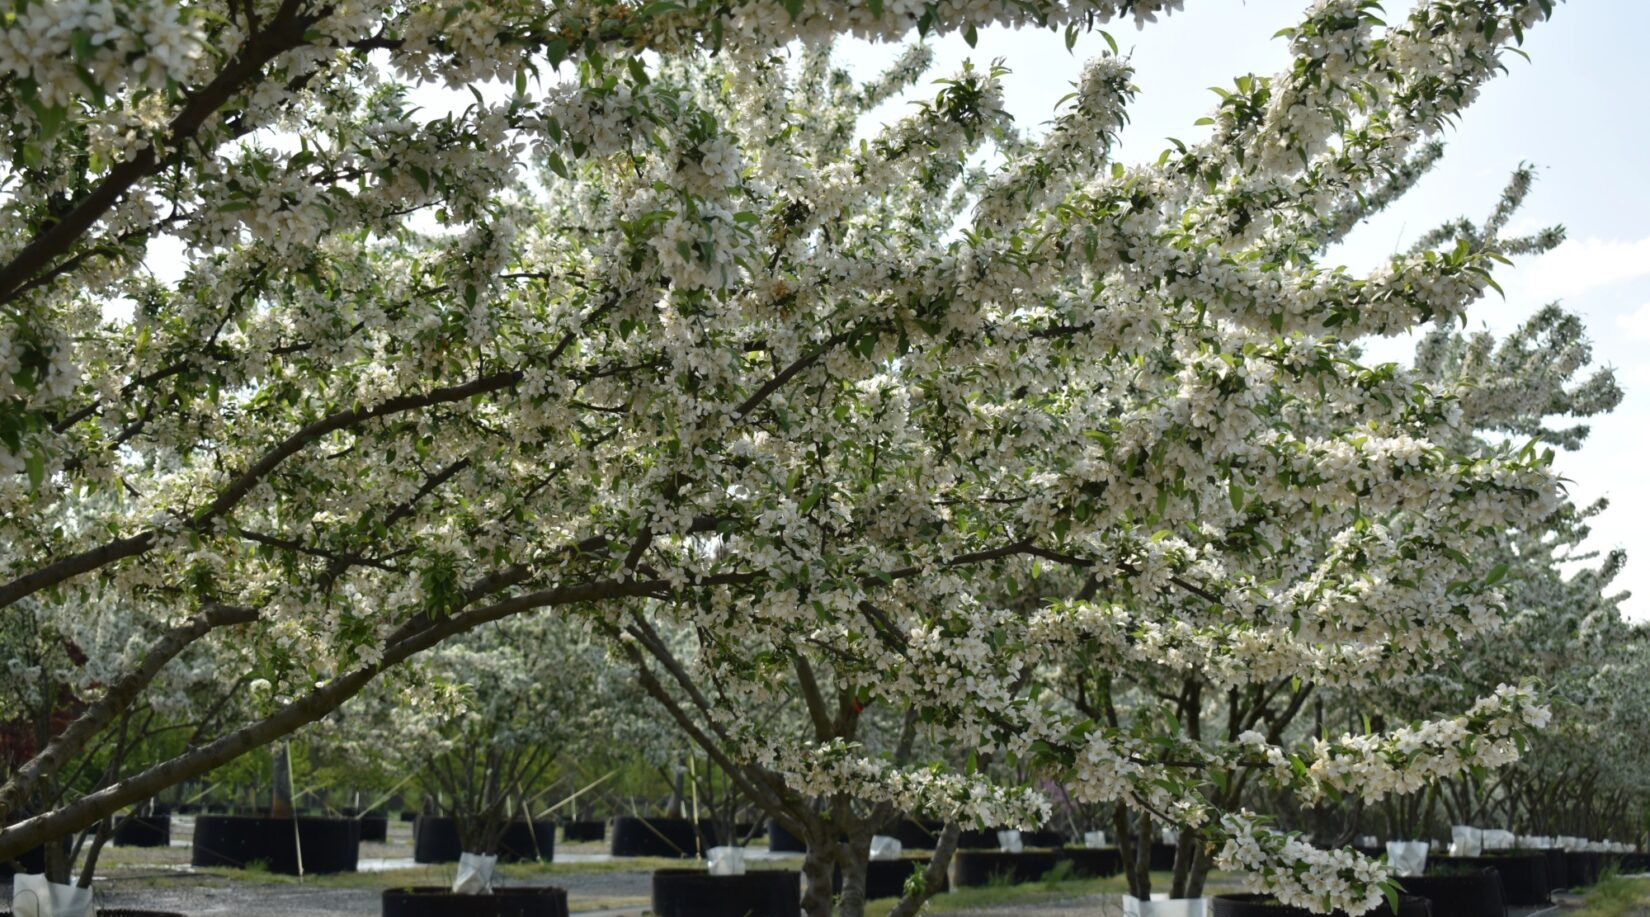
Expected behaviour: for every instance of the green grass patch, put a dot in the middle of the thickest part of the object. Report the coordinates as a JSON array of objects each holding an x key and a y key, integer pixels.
[{"x": 1615, "y": 896}]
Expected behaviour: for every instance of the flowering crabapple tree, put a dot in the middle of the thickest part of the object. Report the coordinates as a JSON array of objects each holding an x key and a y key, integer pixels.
[
  {"x": 675, "y": 337},
  {"x": 485, "y": 718},
  {"x": 746, "y": 696},
  {"x": 1569, "y": 636},
  {"x": 1167, "y": 678},
  {"x": 52, "y": 664}
]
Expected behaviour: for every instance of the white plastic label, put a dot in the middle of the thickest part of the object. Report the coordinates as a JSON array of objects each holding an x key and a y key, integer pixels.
[
  {"x": 1094, "y": 839},
  {"x": 1465, "y": 841},
  {"x": 884, "y": 847},
  {"x": 1010, "y": 841},
  {"x": 727, "y": 861},
  {"x": 1165, "y": 907},
  {"x": 33, "y": 896},
  {"x": 1408, "y": 858},
  {"x": 475, "y": 874}
]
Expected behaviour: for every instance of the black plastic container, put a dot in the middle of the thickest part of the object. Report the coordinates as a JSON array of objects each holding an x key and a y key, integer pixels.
[
  {"x": 1266, "y": 906},
  {"x": 782, "y": 841},
  {"x": 980, "y": 867},
  {"x": 375, "y": 826},
  {"x": 1042, "y": 838},
  {"x": 507, "y": 901},
  {"x": 1584, "y": 867},
  {"x": 696, "y": 893},
  {"x": 1091, "y": 862},
  {"x": 435, "y": 840},
  {"x": 143, "y": 831},
  {"x": 584, "y": 830},
  {"x": 1476, "y": 894},
  {"x": 1558, "y": 873},
  {"x": 977, "y": 839},
  {"x": 1523, "y": 874},
  {"x": 326, "y": 845},
  {"x": 886, "y": 878},
  {"x": 659, "y": 837},
  {"x": 915, "y": 834}
]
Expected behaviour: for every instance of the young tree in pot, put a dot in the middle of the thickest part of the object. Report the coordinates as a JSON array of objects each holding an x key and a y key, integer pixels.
[{"x": 517, "y": 695}]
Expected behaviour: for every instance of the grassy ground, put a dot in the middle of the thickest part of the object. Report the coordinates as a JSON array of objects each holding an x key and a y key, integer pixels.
[{"x": 1616, "y": 897}]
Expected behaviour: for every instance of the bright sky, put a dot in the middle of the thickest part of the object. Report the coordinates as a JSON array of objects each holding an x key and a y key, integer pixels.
[{"x": 1578, "y": 111}]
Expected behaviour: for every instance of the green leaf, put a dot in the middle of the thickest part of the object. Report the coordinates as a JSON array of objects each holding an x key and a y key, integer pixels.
[{"x": 36, "y": 466}]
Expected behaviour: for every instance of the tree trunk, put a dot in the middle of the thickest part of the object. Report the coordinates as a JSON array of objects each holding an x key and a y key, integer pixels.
[
  {"x": 280, "y": 805},
  {"x": 816, "y": 877},
  {"x": 911, "y": 903},
  {"x": 856, "y": 858},
  {"x": 1185, "y": 852}
]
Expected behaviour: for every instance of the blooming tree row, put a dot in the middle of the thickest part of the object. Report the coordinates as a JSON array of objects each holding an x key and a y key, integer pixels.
[{"x": 646, "y": 331}]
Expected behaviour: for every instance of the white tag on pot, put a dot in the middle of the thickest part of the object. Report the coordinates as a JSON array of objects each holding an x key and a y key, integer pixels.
[
  {"x": 1465, "y": 841},
  {"x": 1010, "y": 841},
  {"x": 884, "y": 847},
  {"x": 1368, "y": 840},
  {"x": 1094, "y": 839},
  {"x": 1169, "y": 836},
  {"x": 1496, "y": 839},
  {"x": 1408, "y": 858},
  {"x": 1165, "y": 907},
  {"x": 475, "y": 874},
  {"x": 727, "y": 861},
  {"x": 33, "y": 896}
]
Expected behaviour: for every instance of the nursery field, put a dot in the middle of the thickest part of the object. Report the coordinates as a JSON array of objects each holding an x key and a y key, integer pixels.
[
  {"x": 161, "y": 878},
  {"x": 742, "y": 459}
]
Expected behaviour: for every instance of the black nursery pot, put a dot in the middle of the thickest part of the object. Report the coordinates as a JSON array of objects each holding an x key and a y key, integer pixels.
[
  {"x": 1042, "y": 838},
  {"x": 886, "y": 878},
  {"x": 327, "y": 845},
  {"x": 1267, "y": 906},
  {"x": 979, "y": 867},
  {"x": 1476, "y": 894},
  {"x": 782, "y": 841},
  {"x": 659, "y": 837},
  {"x": 509, "y": 901},
  {"x": 915, "y": 834},
  {"x": 409, "y": 815},
  {"x": 1091, "y": 862},
  {"x": 977, "y": 839},
  {"x": 1523, "y": 875},
  {"x": 435, "y": 840},
  {"x": 1585, "y": 866},
  {"x": 143, "y": 831},
  {"x": 696, "y": 893},
  {"x": 1163, "y": 857},
  {"x": 584, "y": 830},
  {"x": 1558, "y": 872},
  {"x": 375, "y": 826}
]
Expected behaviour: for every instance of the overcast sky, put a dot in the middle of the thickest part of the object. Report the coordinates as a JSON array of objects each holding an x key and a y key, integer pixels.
[{"x": 1579, "y": 110}]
